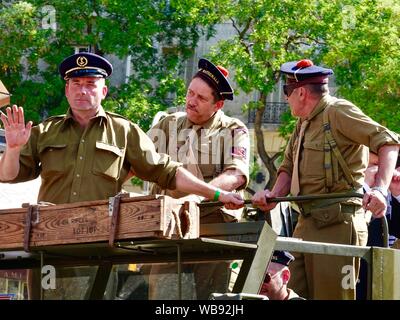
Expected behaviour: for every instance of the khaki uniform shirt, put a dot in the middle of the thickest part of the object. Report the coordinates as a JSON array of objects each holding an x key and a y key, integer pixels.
[
  {"x": 77, "y": 164},
  {"x": 222, "y": 143},
  {"x": 354, "y": 133}
]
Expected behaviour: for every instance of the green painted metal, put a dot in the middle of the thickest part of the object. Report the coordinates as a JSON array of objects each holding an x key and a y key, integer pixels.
[{"x": 385, "y": 274}]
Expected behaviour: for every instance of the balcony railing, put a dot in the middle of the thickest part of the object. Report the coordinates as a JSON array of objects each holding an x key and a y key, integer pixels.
[{"x": 272, "y": 113}]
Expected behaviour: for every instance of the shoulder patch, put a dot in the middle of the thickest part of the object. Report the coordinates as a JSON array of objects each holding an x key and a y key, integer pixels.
[{"x": 239, "y": 152}]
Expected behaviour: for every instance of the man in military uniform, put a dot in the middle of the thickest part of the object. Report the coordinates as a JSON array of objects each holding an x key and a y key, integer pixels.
[
  {"x": 212, "y": 146},
  {"x": 277, "y": 278},
  {"x": 328, "y": 153},
  {"x": 88, "y": 153}
]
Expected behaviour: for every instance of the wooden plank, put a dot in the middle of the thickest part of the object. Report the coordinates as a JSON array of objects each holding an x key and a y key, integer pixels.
[{"x": 84, "y": 222}]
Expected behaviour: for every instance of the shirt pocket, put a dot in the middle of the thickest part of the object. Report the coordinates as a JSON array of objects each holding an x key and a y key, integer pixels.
[
  {"x": 313, "y": 158},
  {"x": 107, "y": 160},
  {"x": 52, "y": 158}
]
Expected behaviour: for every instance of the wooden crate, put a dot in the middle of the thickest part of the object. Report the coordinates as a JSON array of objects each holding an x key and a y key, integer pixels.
[{"x": 157, "y": 217}]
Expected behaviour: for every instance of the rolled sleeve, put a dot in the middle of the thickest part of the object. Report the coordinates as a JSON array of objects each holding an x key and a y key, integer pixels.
[{"x": 353, "y": 124}]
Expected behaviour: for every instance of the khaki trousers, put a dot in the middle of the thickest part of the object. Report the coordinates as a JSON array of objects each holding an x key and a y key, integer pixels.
[{"x": 327, "y": 277}]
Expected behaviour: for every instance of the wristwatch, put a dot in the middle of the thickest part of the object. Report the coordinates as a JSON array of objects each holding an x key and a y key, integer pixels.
[{"x": 382, "y": 190}]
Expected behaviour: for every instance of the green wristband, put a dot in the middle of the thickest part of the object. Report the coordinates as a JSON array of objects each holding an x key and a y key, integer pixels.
[{"x": 216, "y": 195}]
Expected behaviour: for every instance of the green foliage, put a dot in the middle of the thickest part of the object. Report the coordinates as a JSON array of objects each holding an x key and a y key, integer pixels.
[
  {"x": 254, "y": 169},
  {"x": 135, "y": 181},
  {"x": 358, "y": 39},
  {"x": 367, "y": 60},
  {"x": 157, "y": 35}
]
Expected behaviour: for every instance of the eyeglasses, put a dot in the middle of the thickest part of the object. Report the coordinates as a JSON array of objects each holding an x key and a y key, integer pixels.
[
  {"x": 288, "y": 88},
  {"x": 269, "y": 277}
]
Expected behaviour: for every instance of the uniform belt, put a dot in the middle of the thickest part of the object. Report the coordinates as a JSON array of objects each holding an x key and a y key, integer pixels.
[{"x": 306, "y": 207}]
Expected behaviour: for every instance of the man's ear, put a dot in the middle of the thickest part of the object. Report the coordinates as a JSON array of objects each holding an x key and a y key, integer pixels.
[
  {"x": 219, "y": 105},
  {"x": 105, "y": 90},
  {"x": 285, "y": 275}
]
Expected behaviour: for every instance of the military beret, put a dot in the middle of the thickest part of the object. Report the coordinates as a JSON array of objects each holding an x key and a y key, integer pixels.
[
  {"x": 305, "y": 71},
  {"x": 282, "y": 257},
  {"x": 216, "y": 77},
  {"x": 85, "y": 64}
]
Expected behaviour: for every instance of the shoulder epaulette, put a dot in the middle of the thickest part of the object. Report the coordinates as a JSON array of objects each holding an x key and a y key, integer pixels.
[
  {"x": 61, "y": 116},
  {"x": 117, "y": 115}
]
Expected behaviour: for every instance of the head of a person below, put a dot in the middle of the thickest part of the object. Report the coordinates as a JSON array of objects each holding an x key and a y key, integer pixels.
[
  {"x": 85, "y": 87},
  {"x": 305, "y": 85},
  {"x": 207, "y": 92},
  {"x": 277, "y": 277}
]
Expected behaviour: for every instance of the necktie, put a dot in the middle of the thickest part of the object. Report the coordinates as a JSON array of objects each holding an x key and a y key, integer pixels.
[
  {"x": 295, "y": 184},
  {"x": 186, "y": 151}
]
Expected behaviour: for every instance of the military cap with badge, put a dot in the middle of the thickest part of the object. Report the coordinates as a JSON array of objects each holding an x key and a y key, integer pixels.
[
  {"x": 216, "y": 77},
  {"x": 85, "y": 64},
  {"x": 300, "y": 73},
  {"x": 282, "y": 257}
]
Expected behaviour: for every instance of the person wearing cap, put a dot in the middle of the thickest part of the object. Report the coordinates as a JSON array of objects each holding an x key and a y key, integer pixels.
[
  {"x": 328, "y": 153},
  {"x": 88, "y": 153},
  {"x": 277, "y": 278},
  {"x": 212, "y": 146}
]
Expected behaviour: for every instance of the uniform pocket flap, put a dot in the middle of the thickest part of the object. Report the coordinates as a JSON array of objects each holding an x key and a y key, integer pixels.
[
  {"x": 109, "y": 147},
  {"x": 314, "y": 145},
  {"x": 50, "y": 147},
  {"x": 327, "y": 216}
]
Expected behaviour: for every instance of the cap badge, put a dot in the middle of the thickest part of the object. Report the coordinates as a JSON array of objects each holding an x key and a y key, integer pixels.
[{"x": 81, "y": 61}]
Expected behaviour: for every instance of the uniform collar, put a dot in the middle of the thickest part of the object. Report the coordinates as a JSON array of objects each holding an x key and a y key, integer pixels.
[
  {"x": 321, "y": 105},
  {"x": 101, "y": 114},
  {"x": 209, "y": 124}
]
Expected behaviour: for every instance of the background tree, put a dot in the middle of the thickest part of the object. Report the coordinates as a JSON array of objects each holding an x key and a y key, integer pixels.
[
  {"x": 158, "y": 35},
  {"x": 358, "y": 39}
]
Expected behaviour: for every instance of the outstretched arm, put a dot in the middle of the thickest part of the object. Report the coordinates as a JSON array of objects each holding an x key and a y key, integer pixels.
[
  {"x": 17, "y": 135},
  {"x": 281, "y": 188},
  {"x": 188, "y": 183}
]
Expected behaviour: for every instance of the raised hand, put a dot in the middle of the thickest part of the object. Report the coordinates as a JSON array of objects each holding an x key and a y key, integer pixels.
[{"x": 16, "y": 133}]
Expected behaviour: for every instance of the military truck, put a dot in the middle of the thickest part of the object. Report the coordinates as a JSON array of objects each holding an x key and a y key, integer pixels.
[{"x": 123, "y": 271}]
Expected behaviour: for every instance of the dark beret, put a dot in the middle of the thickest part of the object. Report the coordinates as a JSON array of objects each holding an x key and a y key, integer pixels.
[
  {"x": 305, "y": 70},
  {"x": 85, "y": 64},
  {"x": 215, "y": 77},
  {"x": 282, "y": 257}
]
